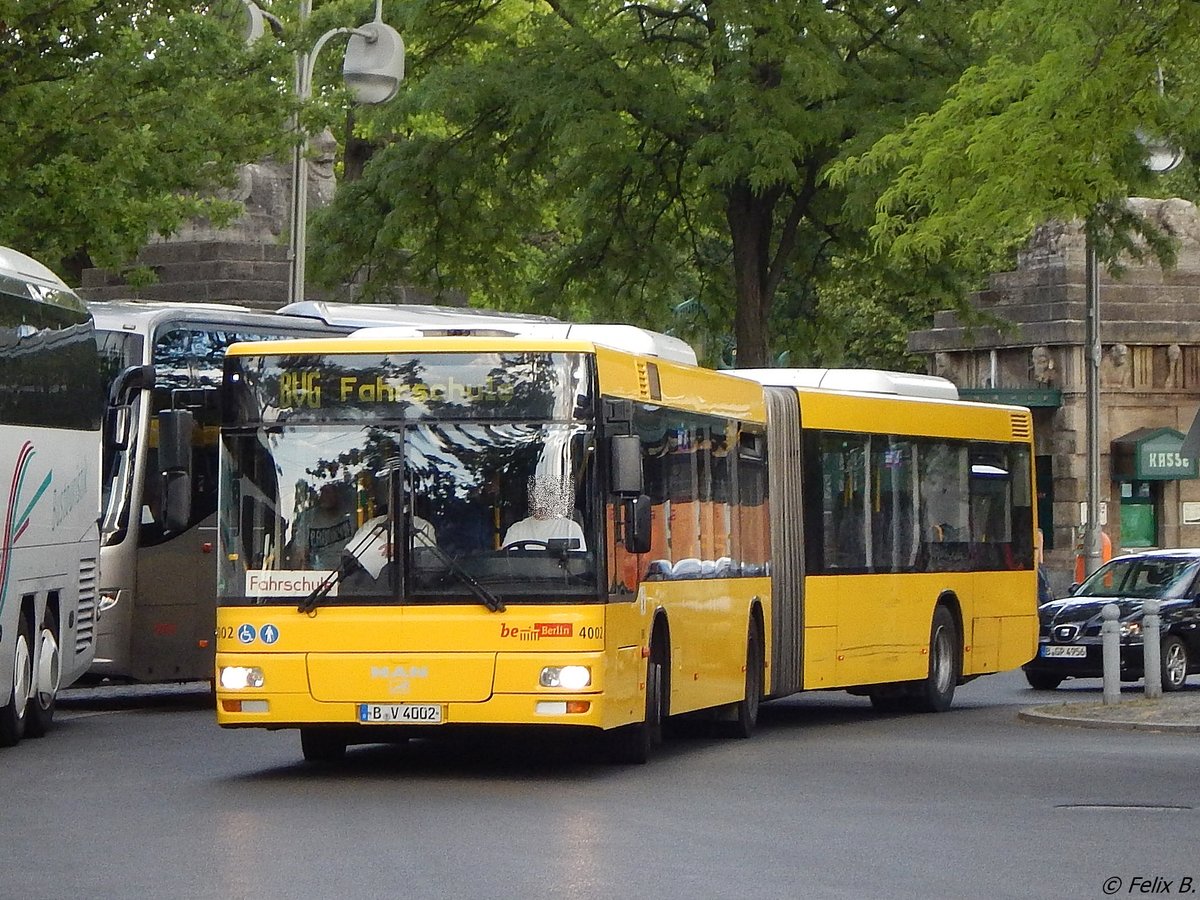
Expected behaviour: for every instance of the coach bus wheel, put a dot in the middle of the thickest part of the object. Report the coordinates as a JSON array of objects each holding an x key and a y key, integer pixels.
[
  {"x": 634, "y": 744},
  {"x": 745, "y": 711},
  {"x": 43, "y": 692},
  {"x": 1174, "y": 663},
  {"x": 322, "y": 745},
  {"x": 936, "y": 691},
  {"x": 12, "y": 715}
]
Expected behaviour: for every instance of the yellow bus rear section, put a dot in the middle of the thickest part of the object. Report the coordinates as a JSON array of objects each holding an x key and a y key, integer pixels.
[{"x": 874, "y": 629}]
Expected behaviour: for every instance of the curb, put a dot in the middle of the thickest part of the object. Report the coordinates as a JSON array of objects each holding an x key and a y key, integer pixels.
[{"x": 1051, "y": 718}]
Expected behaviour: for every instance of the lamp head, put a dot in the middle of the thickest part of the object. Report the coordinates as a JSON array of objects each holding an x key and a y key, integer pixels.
[
  {"x": 374, "y": 65},
  {"x": 1161, "y": 155}
]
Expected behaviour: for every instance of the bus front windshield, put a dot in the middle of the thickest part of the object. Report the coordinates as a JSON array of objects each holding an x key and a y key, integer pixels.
[{"x": 418, "y": 504}]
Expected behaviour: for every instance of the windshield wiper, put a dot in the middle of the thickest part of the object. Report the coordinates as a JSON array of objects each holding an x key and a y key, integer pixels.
[
  {"x": 345, "y": 566},
  {"x": 486, "y": 597},
  {"x": 349, "y": 559}
]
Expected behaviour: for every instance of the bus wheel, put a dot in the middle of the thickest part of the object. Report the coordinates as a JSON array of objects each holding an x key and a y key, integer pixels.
[
  {"x": 322, "y": 745},
  {"x": 634, "y": 744},
  {"x": 43, "y": 695},
  {"x": 12, "y": 714},
  {"x": 936, "y": 691},
  {"x": 745, "y": 711}
]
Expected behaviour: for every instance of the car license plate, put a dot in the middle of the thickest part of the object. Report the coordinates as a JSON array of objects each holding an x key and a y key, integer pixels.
[
  {"x": 1053, "y": 651},
  {"x": 399, "y": 714}
]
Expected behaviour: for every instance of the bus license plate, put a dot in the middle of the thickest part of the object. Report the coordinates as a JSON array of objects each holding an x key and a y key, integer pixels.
[
  {"x": 1069, "y": 652},
  {"x": 399, "y": 714}
]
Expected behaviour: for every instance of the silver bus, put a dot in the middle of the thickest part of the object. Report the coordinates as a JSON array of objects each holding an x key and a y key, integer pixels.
[
  {"x": 156, "y": 602},
  {"x": 51, "y": 408}
]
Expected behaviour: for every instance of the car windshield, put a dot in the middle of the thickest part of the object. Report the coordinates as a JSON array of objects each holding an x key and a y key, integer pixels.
[{"x": 1146, "y": 577}]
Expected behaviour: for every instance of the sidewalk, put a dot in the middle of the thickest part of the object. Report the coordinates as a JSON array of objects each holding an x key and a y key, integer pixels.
[{"x": 1178, "y": 712}]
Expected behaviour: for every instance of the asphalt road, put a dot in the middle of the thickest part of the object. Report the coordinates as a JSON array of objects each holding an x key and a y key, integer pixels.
[{"x": 140, "y": 795}]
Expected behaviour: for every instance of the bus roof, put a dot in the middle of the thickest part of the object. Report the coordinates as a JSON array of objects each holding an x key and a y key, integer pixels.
[
  {"x": 400, "y": 340},
  {"x": 401, "y": 321},
  {"x": 14, "y": 262},
  {"x": 858, "y": 381},
  {"x": 426, "y": 317},
  {"x": 628, "y": 338},
  {"x": 145, "y": 315}
]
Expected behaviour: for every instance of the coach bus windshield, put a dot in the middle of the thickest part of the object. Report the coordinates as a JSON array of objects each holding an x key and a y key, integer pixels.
[{"x": 405, "y": 478}]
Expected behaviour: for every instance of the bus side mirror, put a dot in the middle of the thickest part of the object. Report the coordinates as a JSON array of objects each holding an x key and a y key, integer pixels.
[
  {"x": 625, "y": 464},
  {"x": 121, "y": 397},
  {"x": 175, "y": 428},
  {"x": 129, "y": 382},
  {"x": 637, "y": 524}
]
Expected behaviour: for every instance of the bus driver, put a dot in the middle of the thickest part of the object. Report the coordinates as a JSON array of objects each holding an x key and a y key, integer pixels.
[{"x": 551, "y": 502}]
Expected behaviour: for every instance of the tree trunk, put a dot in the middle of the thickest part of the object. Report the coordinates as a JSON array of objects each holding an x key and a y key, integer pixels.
[
  {"x": 357, "y": 152},
  {"x": 749, "y": 215}
]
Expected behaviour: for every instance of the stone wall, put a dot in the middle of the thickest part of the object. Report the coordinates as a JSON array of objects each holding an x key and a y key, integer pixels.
[
  {"x": 245, "y": 262},
  {"x": 211, "y": 271}
]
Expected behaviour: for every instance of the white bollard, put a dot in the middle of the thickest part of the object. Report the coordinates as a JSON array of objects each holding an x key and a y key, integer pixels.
[
  {"x": 1110, "y": 636},
  {"x": 1152, "y": 649}
]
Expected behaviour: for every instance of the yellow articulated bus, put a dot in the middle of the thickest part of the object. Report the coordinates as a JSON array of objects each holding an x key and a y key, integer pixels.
[{"x": 421, "y": 531}]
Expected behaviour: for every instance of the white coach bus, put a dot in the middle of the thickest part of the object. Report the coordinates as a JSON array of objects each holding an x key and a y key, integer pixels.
[{"x": 51, "y": 408}]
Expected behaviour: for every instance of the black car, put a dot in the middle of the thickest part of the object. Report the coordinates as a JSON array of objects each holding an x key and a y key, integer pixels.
[{"x": 1069, "y": 643}]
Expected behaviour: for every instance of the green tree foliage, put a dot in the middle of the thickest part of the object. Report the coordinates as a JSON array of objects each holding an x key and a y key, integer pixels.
[
  {"x": 117, "y": 117},
  {"x": 863, "y": 312},
  {"x": 1045, "y": 126},
  {"x": 621, "y": 160}
]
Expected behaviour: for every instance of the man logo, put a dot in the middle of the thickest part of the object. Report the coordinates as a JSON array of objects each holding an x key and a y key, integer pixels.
[{"x": 399, "y": 678}]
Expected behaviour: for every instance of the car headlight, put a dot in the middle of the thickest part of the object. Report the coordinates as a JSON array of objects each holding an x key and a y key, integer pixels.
[
  {"x": 235, "y": 678},
  {"x": 571, "y": 678},
  {"x": 1131, "y": 629}
]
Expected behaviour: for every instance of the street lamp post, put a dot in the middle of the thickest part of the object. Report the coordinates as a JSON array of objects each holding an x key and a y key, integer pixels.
[
  {"x": 373, "y": 70},
  {"x": 1091, "y": 534},
  {"x": 1160, "y": 157}
]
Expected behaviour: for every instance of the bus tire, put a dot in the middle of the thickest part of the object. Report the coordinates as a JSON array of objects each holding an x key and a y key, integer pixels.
[
  {"x": 322, "y": 745},
  {"x": 13, "y": 714},
  {"x": 635, "y": 744},
  {"x": 745, "y": 711},
  {"x": 935, "y": 692},
  {"x": 43, "y": 692}
]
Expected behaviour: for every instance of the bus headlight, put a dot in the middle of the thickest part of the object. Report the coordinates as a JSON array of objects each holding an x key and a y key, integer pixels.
[
  {"x": 571, "y": 678},
  {"x": 235, "y": 678}
]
